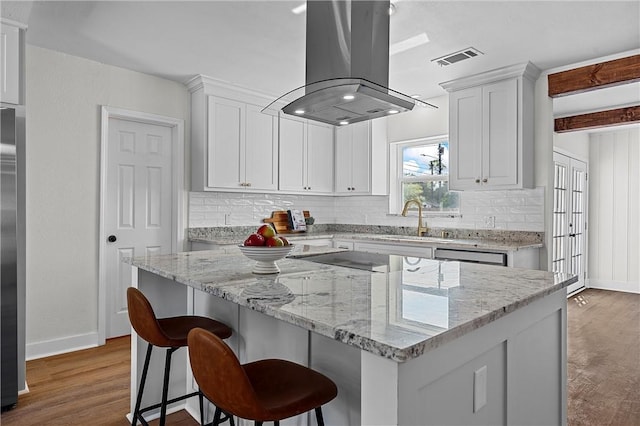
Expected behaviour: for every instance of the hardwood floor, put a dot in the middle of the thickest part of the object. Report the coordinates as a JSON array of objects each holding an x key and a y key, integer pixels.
[
  {"x": 83, "y": 387},
  {"x": 604, "y": 358},
  {"x": 92, "y": 386}
]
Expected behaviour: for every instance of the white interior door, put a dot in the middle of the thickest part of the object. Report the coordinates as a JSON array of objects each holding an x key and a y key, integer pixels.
[
  {"x": 569, "y": 218},
  {"x": 137, "y": 207}
]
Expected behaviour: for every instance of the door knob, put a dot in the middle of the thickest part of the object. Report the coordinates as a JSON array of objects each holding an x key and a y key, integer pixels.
[{"x": 111, "y": 238}]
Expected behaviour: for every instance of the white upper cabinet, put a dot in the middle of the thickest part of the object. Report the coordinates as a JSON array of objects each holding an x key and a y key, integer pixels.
[
  {"x": 353, "y": 158},
  {"x": 361, "y": 158},
  {"x": 491, "y": 129},
  {"x": 261, "y": 150},
  {"x": 9, "y": 63},
  {"x": 306, "y": 157},
  {"x": 319, "y": 158},
  {"x": 234, "y": 147}
]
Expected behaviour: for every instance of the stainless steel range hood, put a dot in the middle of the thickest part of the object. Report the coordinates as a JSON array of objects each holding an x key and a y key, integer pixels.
[{"x": 347, "y": 65}]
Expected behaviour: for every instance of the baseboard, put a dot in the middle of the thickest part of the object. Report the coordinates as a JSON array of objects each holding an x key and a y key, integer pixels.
[
  {"x": 624, "y": 286},
  {"x": 25, "y": 390},
  {"x": 60, "y": 346}
]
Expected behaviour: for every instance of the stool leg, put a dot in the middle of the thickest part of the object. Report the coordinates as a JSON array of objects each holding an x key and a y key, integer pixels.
[
  {"x": 165, "y": 386},
  {"x": 216, "y": 417},
  {"x": 141, "y": 387},
  {"x": 201, "y": 401},
  {"x": 319, "y": 416}
]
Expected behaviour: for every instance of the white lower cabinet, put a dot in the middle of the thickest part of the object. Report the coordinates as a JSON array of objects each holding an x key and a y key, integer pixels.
[
  {"x": 346, "y": 245},
  {"x": 306, "y": 157},
  {"x": 397, "y": 249}
]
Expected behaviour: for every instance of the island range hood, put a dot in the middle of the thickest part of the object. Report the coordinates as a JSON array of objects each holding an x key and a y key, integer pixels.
[{"x": 347, "y": 66}]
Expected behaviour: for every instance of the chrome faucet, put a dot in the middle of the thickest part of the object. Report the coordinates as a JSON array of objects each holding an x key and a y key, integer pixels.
[{"x": 421, "y": 228}]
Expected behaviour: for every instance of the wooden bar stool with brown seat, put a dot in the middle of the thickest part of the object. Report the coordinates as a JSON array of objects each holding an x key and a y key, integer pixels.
[
  {"x": 265, "y": 390},
  {"x": 170, "y": 333}
]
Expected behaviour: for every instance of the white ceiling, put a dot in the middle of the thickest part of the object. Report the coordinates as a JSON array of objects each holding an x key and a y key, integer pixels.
[{"x": 260, "y": 44}]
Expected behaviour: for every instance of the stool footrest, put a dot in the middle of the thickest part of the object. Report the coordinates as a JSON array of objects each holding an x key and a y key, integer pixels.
[{"x": 158, "y": 405}]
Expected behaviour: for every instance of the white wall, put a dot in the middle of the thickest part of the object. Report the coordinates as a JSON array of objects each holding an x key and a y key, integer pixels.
[
  {"x": 614, "y": 210},
  {"x": 420, "y": 122},
  {"x": 63, "y": 97},
  {"x": 574, "y": 144}
]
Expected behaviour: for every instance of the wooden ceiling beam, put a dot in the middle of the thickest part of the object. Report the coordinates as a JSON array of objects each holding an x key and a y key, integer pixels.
[
  {"x": 591, "y": 77},
  {"x": 595, "y": 120}
]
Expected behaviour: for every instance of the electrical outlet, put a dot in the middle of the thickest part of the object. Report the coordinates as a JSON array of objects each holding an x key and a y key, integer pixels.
[
  {"x": 479, "y": 388},
  {"x": 227, "y": 218},
  {"x": 489, "y": 221}
]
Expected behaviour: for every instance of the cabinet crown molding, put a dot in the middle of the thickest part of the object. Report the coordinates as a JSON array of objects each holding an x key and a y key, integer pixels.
[
  {"x": 17, "y": 24},
  {"x": 526, "y": 70},
  {"x": 217, "y": 87}
]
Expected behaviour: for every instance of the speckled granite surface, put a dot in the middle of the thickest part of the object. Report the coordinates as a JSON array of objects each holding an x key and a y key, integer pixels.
[
  {"x": 456, "y": 238},
  {"x": 399, "y": 315}
]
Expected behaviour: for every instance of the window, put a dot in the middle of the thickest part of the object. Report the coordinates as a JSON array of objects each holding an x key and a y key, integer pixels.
[{"x": 421, "y": 171}]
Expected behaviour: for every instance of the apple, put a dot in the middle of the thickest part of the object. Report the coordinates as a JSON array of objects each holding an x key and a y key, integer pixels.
[
  {"x": 266, "y": 231},
  {"x": 255, "y": 240},
  {"x": 285, "y": 241},
  {"x": 275, "y": 242}
]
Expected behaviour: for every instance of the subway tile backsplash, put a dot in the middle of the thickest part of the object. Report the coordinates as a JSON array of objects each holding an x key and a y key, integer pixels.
[{"x": 513, "y": 210}]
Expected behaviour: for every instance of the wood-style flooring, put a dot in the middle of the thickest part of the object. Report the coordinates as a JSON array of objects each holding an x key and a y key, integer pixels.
[
  {"x": 603, "y": 358},
  {"x": 88, "y": 387},
  {"x": 92, "y": 386}
]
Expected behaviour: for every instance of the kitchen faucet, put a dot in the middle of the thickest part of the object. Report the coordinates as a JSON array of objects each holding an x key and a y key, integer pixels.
[{"x": 421, "y": 229}]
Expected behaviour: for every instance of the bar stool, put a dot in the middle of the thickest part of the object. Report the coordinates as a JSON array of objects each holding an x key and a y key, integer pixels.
[
  {"x": 266, "y": 390},
  {"x": 170, "y": 333}
]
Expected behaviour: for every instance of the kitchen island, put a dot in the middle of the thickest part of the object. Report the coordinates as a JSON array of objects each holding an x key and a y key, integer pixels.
[{"x": 408, "y": 341}]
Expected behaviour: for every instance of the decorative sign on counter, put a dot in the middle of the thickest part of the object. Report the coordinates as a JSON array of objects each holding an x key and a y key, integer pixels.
[{"x": 296, "y": 220}]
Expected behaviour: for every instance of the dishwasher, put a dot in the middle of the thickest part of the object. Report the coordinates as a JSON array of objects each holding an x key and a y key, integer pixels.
[{"x": 484, "y": 257}]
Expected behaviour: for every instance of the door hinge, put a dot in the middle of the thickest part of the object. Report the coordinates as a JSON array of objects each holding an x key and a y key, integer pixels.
[{"x": 586, "y": 175}]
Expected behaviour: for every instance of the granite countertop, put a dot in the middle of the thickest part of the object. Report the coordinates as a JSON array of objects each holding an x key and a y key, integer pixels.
[
  {"x": 459, "y": 243},
  {"x": 442, "y": 300}
]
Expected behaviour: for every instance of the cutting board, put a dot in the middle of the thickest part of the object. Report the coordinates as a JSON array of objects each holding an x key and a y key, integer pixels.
[{"x": 280, "y": 220}]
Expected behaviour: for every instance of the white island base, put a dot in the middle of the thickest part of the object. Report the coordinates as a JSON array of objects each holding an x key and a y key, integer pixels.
[{"x": 511, "y": 371}]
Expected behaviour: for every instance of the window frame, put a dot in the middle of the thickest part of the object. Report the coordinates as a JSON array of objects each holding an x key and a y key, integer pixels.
[{"x": 396, "y": 179}]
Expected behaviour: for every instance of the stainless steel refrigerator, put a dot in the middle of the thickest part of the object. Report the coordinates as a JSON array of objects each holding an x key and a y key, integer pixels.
[{"x": 12, "y": 253}]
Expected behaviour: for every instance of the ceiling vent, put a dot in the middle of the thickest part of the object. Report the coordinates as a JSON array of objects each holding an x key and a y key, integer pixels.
[{"x": 461, "y": 55}]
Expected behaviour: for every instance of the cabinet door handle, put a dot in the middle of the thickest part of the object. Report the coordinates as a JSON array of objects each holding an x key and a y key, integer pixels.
[
  {"x": 477, "y": 180},
  {"x": 484, "y": 180},
  {"x": 248, "y": 184},
  {"x": 112, "y": 238}
]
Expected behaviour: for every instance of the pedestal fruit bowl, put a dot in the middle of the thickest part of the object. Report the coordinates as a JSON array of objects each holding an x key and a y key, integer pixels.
[
  {"x": 265, "y": 247},
  {"x": 265, "y": 257}
]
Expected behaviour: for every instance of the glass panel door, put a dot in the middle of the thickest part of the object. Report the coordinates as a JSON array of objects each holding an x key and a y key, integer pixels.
[{"x": 569, "y": 218}]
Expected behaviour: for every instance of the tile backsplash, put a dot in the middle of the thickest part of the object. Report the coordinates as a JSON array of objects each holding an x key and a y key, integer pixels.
[{"x": 513, "y": 210}]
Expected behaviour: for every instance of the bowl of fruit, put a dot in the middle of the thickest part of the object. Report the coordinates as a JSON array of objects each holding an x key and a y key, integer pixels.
[{"x": 265, "y": 247}]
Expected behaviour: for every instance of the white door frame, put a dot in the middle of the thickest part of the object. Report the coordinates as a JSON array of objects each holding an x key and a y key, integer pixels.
[{"x": 178, "y": 193}]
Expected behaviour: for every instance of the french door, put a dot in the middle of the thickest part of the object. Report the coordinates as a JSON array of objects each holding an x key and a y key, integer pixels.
[{"x": 569, "y": 218}]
